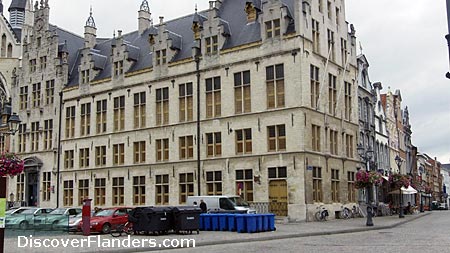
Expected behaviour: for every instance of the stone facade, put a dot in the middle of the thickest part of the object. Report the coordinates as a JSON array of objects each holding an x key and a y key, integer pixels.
[{"x": 276, "y": 119}]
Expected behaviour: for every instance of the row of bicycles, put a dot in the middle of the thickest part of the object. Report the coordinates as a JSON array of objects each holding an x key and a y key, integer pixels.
[{"x": 345, "y": 213}]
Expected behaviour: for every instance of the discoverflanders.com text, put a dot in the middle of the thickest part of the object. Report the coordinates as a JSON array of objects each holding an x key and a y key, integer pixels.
[{"x": 98, "y": 242}]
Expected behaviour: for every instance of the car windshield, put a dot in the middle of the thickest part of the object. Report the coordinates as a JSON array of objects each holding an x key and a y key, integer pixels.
[
  {"x": 238, "y": 201},
  {"x": 29, "y": 211},
  {"x": 58, "y": 211},
  {"x": 104, "y": 213},
  {"x": 10, "y": 211},
  {"x": 21, "y": 210}
]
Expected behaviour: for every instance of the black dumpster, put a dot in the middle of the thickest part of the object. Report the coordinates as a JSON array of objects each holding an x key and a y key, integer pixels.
[
  {"x": 186, "y": 219},
  {"x": 160, "y": 220},
  {"x": 139, "y": 219}
]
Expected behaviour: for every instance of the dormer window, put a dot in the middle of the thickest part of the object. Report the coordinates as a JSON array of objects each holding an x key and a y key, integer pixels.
[
  {"x": 273, "y": 28},
  {"x": 85, "y": 76},
  {"x": 212, "y": 46},
  {"x": 161, "y": 57},
  {"x": 118, "y": 68}
]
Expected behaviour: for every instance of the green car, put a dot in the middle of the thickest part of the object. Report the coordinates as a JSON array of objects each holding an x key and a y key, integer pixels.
[
  {"x": 24, "y": 217},
  {"x": 52, "y": 219}
]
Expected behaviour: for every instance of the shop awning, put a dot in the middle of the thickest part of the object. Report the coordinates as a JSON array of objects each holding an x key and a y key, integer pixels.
[{"x": 406, "y": 191}]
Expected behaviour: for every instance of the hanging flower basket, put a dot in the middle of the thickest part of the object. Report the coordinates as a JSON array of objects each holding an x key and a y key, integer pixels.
[
  {"x": 10, "y": 164},
  {"x": 366, "y": 179},
  {"x": 427, "y": 189},
  {"x": 398, "y": 181}
]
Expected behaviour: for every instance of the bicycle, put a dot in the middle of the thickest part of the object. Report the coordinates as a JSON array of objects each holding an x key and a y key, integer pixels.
[
  {"x": 357, "y": 212},
  {"x": 126, "y": 228},
  {"x": 345, "y": 213},
  {"x": 321, "y": 214}
]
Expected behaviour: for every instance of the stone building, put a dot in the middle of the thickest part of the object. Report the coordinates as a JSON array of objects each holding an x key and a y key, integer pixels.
[
  {"x": 274, "y": 83},
  {"x": 381, "y": 133}
]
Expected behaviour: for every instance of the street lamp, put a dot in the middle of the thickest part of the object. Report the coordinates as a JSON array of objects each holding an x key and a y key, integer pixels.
[
  {"x": 399, "y": 162},
  {"x": 366, "y": 156}
]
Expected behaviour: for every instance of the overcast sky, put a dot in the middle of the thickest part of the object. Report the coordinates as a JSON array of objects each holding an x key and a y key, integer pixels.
[{"x": 402, "y": 39}]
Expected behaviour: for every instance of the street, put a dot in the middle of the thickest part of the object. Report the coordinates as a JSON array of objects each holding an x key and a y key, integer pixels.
[{"x": 427, "y": 234}]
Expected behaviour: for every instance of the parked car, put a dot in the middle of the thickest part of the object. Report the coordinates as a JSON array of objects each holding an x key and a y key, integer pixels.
[
  {"x": 50, "y": 220},
  {"x": 443, "y": 206},
  {"x": 24, "y": 218},
  {"x": 221, "y": 203},
  {"x": 73, "y": 224},
  {"x": 108, "y": 218}
]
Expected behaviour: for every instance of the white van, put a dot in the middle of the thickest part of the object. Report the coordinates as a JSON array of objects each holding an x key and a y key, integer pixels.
[{"x": 221, "y": 202}]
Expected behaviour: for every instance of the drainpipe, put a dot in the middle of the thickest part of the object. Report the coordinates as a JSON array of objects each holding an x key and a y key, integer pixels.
[
  {"x": 59, "y": 149},
  {"x": 197, "y": 70},
  {"x": 448, "y": 35}
]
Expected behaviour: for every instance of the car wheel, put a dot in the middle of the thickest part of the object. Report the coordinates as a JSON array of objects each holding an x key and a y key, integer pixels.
[
  {"x": 23, "y": 225},
  {"x": 54, "y": 226},
  {"x": 106, "y": 228}
]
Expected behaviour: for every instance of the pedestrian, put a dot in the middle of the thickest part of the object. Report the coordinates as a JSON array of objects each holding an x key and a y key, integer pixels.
[{"x": 203, "y": 206}]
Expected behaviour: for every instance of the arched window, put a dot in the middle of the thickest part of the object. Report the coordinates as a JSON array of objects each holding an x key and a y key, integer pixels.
[
  {"x": 9, "y": 55},
  {"x": 3, "y": 49}
]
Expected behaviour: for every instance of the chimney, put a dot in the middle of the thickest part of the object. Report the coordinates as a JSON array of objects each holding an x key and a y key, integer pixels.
[
  {"x": 144, "y": 19},
  {"x": 90, "y": 32}
]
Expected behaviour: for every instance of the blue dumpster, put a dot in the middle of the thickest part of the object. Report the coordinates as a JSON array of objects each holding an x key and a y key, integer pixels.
[
  {"x": 214, "y": 222},
  {"x": 223, "y": 222},
  {"x": 240, "y": 223},
  {"x": 202, "y": 220},
  {"x": 271, "y": 221},
  {"x": 265, "y": 222},
  {"x": 259, "y": 223},
  {"x": 231, "y": 218},
  {"x": 206, "y": 221},
  {"x": 251, "y": 223}
]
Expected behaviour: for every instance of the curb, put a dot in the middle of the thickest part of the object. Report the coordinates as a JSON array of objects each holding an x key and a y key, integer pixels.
[{"x": 278, "y": 237}]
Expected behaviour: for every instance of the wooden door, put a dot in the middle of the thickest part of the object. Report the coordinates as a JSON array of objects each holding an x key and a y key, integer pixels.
[{"x": 278, "y": 203}]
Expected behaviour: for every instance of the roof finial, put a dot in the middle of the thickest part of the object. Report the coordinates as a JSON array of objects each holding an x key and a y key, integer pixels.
[
  {"x": 90, "y": 21},
  {"x": 90, "y": 11},
  {"x": 195, "y": 8},
  {"x": 144, "y": 6}
]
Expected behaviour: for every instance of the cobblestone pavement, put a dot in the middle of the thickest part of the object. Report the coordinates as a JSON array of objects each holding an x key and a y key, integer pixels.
[{"x": 204, "y": 239}]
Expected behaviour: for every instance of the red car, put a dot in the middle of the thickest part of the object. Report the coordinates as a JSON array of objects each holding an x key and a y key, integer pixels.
[{"x": 109, "y": 218}]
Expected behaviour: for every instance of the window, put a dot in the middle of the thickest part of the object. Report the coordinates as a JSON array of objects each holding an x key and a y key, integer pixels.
[
  {"x": 23, "y": 97},
  {"x": 276, "y": 136},
  {"x": 48, "y": 134},
  {"x": 85, "y": 76},
  {"x": 118, "y": 191},
  {"x": 244, "y": 184},
  {"x": 85, "y": 128},
  {"x": 332, "y": 94},
  {"x": 329, "y": 9},
  {"x": 162, "y": 150},
  {"x": 212, "y": 46},
  {"x": 186, "y": 186},
  {"x": 275, "y": 86},
  {"x": 43, "y": 62},
  {"x": 162, "y": 189},
  {"x": 331, "y": 51},
  {"x": 83, "y": 190},
  {"x": 162, "y": 106},
  {"x": 351, "y": 186},
  {"x": 20, "y": 187},
  {"x": 101, "y": 116},
  {"x": 315, "y": 137},
  {"x": 139, "y": 110},
  {"x": 333, "y": 142},
  {"x": 214, "y": 182},
  {"x": 317, "y": 184},
  {"x": 315, "y": 36},
  {"x": 22, "y": 137},
  {"x": 139, "y": 190},
  {"x": 68, "y": 159},
  {"x": 214, "y": 144},
  {"x": 32, "y": 65},
  {"x": 344, "y": 52},
  {"x": 349, "y": 146},
  {"x": 49, "y": 92},
  {"x": 46, "y": 186},
  {"x": 119, "y": 113},
  {"x": 213, "y": 97},
  {"x": 186, "y": 147},
  {"x": 161, "y": 57},
  {"x": 34, "y": 136},
  {"x": 84, "y": 157},
  {"x": 186, "y": 102},
  {"x": 100, "y": 191},
  {"x": 70, "y": 122},
  {"x": 118, "y": 68},
  {"x": 36, "y": 95},
  {"x": 100, "y": 156},
  {"x": 273, "y": 28},
  {"x": 335, "y": 186},
  {"x": 243, "y": 141},
  {"x": 119, "y": 154},
  {"x": 337, "y": 16},
  {"x": 68, "y": 192},
  {"x": 315, "y": 86},
  {"x": 348, "y": 101},
  {"x": 242, "y": 92},
  {"x": 320, "y": 6},
  {"x": 2, "y": 144},
  {"x": 139, "y": 152},
  {"x": 278, "y": 172}
]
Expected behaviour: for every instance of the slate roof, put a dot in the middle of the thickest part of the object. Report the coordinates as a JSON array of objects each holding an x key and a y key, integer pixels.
[
  {"x": 232, "y": 17},
  {"x": 17, "y": 5}
]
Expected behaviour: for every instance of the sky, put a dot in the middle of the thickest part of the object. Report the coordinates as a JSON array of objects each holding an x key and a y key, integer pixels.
[{"x": 403, "y": 41}]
